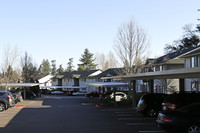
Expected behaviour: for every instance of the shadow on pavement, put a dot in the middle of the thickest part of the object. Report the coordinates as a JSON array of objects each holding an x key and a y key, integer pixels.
[{"x": 62, "y": 115}]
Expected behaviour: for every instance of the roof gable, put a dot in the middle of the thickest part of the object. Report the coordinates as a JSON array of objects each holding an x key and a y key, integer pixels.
[{"x": 111, "y": 72}]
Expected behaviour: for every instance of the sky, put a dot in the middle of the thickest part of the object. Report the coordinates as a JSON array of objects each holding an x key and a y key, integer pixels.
[{"x": 62, "y": 29}]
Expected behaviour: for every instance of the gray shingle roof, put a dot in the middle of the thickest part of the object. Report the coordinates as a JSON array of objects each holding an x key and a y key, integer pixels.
[
  {"x": 111, "y": 72},
  {"x": 195, "y": 52},
  {"x": 79, "y": 74},
  {"x": 173, "y": 55}
]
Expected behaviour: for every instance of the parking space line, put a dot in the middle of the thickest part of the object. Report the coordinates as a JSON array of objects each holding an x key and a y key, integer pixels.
[
  {"x": 151, "y": 131},
  {"x": 125, "y": 112},
  {"x": 140, "y": 124},
  {"x": 114, "y": 110},
  {"x": 87, "y": 104},
  {"x": 128, "y": 115},
  {"x": 123, "y": 119}
]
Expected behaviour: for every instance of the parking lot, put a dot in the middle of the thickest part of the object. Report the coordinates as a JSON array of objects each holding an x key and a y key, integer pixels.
[
  {"x": 134, "y": 120},
  {"x": 73, "y": 114}
]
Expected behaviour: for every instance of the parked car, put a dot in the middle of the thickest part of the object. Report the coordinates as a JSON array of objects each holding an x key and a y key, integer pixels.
[
  {"x": 177, "y": 100},
  {"x": 29, "y": 94},
  {"x": 118, "y": 96},
  {"x": 6, "y": 100},
  {"x": 92, "y": 94},
  {"x": 45, "y": 91},
  {"x": 104, "y": 96},
  {"x": 186, "y": 119},
  {"x": 79, "y": 93},
  {"x": 17, "y": 97},
  {"x": 150, "y": 104},
  {"x": 57, "y": 92},
  {"x": 3, "y": 105}
]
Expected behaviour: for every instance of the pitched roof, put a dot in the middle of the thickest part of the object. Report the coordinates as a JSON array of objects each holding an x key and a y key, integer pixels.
[
  {"x": 173, "y": 55},
  {"x": 193, "y": 53},
  {"x": 111, "y": 72},
  {"x": 77, "y": 74}
]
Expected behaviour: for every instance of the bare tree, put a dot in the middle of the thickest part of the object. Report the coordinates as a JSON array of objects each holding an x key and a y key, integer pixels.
[
  {"x": 105, "y": 61},
  {"x": 168, "y": 85},
  {"x": 10, "y": 56},
  {"x": 112, "y": 60},
  {"x": 131, "y": 45}
]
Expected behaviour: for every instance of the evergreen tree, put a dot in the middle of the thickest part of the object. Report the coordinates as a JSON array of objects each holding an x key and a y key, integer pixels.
[
  {"x": 190, "y": 39},
  {"x": 60, "y": 69},
  {"x": 45, "y": 67},
  {"x": 53, "y": 70},
  {"x": 70, "y": 65},
  {"x": 29, "y": 71},
  {"x": 87, "y": 61}
]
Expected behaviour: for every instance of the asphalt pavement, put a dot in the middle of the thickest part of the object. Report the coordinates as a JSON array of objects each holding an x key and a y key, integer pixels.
[{"x": 67, "y": 114}]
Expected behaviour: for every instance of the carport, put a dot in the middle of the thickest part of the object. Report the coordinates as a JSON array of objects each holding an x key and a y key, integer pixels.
[
  {"x": 180, "y": 74},
  {"x": 21, "y": 85},
  {"x": 101, "y": 86},
  {"x": 66, "y": 88}
]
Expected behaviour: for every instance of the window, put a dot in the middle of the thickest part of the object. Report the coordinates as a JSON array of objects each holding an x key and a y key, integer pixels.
[
  {"x": 83, "y": 79},
  {"x": 161, "y": 68},
  {"x": 198, "y": 61},
  {"x": 194, "y": 61},
  {"x": 154, "y": 69}
]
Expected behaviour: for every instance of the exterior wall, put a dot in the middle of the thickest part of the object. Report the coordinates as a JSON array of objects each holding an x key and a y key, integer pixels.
[
  {"x": 68, "y": 82},
  {"x": 161, "y": 87},
  {"x": 91, "y": 88},
  {"x": 83, "y": 82},
  {"x": 177, "y": 66},
  {"x": 54, "y": 82},
  {"x": 47, "y": 81},
  {"x": 187, "y": 63},
  {"x": 167, "y": 67},
  {"x": 190, "y": 84}
]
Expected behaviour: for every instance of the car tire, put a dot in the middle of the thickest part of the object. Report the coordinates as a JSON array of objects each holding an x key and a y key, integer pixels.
[
  {"x": 2, "y": 107},
  {"x": 151, "y": 112},
  {"x": 193, "y": 128}
]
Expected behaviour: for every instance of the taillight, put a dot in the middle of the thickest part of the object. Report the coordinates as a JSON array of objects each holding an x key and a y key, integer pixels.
[
  {"x": 9, "y": 97},
  {"x": 142, "y": 105},
  {"x": 165, "y": 119},
  {"x": 169, "y": 106},
  {"x": 172, "y": 106}
]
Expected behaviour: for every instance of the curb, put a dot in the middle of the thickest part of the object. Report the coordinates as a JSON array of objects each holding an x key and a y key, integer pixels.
[
  {"x": 20, "y": 107},
  {"x": 98, "y": 106}
]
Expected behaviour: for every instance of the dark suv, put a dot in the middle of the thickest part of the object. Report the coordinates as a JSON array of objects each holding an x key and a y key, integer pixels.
[
  {"x": 6, "y": 101},
  {"x": 150, "y": 104},
  {"x": 177, "y": 100}
]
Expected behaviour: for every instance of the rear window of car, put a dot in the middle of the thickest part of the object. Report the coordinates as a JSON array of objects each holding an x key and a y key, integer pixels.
[
  {"x": 190, "y": 107},
  {"x": 183, "y": 98}
]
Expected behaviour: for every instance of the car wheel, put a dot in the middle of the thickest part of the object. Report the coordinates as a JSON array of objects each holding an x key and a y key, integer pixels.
[
  {"x": 2, "y": 107},
  {"x": 193, "y": 128},
  {"x": 152, "y": 112}
]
